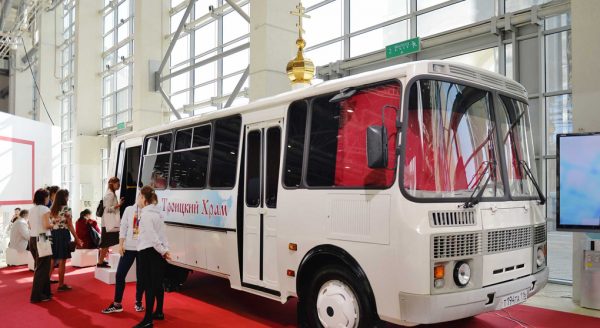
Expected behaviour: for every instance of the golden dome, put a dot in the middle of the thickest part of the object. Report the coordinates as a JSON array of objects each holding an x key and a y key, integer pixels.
[{"x": 300, "y": 70}]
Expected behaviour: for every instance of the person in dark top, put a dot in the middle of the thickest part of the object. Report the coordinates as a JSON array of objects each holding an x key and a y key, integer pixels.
[{"x": 82, "y": 229}]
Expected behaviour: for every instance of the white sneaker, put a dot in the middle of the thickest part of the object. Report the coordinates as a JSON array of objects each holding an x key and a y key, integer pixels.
[{"x": 112, "y": 308}]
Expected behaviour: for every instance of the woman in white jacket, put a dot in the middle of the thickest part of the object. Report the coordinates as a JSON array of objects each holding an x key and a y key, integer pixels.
[
  {"x": 129, "y": 234},
  {"x": 19, "y": 232},
  {"x": 153, "y": 251},
  {"x": 111, "y": 220}
]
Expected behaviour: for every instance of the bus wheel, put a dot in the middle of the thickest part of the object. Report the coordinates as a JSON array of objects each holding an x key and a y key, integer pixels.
[{"x": 335, "y": 298}]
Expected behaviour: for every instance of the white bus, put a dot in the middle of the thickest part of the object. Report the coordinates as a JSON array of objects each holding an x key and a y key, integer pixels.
[{"x": 406, "y": 194}]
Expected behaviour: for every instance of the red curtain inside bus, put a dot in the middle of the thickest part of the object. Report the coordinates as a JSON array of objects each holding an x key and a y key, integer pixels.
[
  {"x": 420, "y": 151},
  {"x": 356, "y": 114}
]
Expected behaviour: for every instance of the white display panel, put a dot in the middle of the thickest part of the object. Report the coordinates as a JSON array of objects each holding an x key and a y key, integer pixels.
[{"x": 578, "y": 180}]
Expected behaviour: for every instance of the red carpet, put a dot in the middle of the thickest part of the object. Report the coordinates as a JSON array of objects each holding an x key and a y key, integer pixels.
[{"x": 206, "y": 301}]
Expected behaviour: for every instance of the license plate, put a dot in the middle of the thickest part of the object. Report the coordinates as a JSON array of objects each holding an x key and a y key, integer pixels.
[{"x": 513, "y": 299}]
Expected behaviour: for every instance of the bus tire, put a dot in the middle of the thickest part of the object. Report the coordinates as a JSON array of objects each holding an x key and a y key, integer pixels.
[{"x": 333, "y": 298}]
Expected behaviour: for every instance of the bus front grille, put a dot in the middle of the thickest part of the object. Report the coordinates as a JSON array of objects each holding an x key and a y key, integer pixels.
[
  {"x": 457, "y": 218},
  {"x": 539, "y": 234},
  {"x": 456, "y": 245},
  {"x": 508, "y": 239}
]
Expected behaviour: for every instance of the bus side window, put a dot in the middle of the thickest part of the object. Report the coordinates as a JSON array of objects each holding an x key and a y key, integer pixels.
[
  {"x": 190, "y": 159},
  {"x": 226, "y": 143},
  {"x": 272, "y": 165},
  {"x": 294, "y": 150},
  {"x": 337, "y": 148},
  {"x": 253, "y": 170},
  {"x": 157, "y": 158}
]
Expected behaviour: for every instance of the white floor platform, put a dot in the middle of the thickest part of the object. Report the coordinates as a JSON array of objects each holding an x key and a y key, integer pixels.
[
  {"x": 109, "y": 275},
  {"x": 13, "y": 257},
  {"x": 82, "y": 258}
]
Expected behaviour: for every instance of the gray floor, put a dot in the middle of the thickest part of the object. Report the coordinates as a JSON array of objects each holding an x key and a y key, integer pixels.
[{"x": 559, "y": 298}]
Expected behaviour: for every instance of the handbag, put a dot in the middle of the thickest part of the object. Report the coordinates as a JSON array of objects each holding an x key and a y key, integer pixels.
[
  {"x": 44, "y": 246},
  {"x": 100, "y": 209},
  {"x": 94, "y": 236}
]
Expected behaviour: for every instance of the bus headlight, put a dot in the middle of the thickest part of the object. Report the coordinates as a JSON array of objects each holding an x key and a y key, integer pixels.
[
  {"x": 540, "y": 258},
  {"x": 462, "y": 274}
]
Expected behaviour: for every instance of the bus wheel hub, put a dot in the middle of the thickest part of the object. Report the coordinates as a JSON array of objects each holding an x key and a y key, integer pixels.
[{"x": 337, "y": 305}]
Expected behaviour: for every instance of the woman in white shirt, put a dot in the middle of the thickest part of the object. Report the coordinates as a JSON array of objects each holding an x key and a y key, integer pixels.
[
  {"x": 19, "y": 232},
  {"x": 40, "y": 228},
  {"x": 153, "y": 251},
  {"x": 40, "y": 199},
  {"x": 111, "y": 220},
  {"x": 128, "y": 240}
]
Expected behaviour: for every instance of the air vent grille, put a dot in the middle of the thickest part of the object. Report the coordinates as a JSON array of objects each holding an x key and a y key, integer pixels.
[
  {"x": 509, "y": 239},
  {"x": 539, "y": 234},
  {"x": 463, "y": 71},
  {"x": 514, "y": 87},
  {"x": 456, "y": 245},
  {"x": 492, "y": 80},
  {"x": 452, "y": 218}
]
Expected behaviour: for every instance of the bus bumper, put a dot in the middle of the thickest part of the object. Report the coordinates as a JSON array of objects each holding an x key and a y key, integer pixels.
[{"x": 423, "y": 309}]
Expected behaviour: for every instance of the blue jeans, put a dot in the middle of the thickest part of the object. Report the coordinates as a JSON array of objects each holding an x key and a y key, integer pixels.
[{"x": 125, "y": 264}]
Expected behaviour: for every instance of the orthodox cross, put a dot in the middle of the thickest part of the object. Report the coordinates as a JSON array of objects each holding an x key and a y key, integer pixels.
[{"x": 301, "y": 13}]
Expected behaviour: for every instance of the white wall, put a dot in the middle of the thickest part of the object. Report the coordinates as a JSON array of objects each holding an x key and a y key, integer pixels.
[
  {"x": 16, "y": 164},
  {"x": 49, "y": 66},
  {"x": 586, "y": 71},
  {"x": 21, "y": 83},
  {"x": 16, "y": 160},
  {"x": 586, "y": 96}
]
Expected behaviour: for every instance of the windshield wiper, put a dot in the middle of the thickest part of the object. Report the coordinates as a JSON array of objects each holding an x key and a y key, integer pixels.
[
  {"x": 525, "y": 166},
  {"x": 475, "y": 197}
]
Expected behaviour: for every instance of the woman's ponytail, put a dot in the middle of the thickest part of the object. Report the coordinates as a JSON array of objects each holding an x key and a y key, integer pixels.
[{"x": 149, "y": 195}]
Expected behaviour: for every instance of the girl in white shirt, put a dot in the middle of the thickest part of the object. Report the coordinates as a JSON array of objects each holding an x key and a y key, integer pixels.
[
  {"x": 128, "y": 242},
  {"x": 153, "y": 251},
  {"x": 40, "y": 229}
]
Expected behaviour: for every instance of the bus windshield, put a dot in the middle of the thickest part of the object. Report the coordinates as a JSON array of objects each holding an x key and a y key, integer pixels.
[
  {"x": 450, "y": 146},
  {"x": 517, "y": 140}
]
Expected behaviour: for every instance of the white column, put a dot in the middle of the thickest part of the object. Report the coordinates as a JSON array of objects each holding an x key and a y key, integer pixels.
[
  {"x": 49, "y": 67},
  {"x": 273, "y": 35},
  {"x": 21, "y": 82},
  {"x": 88, "y": 65},
  {"x": 586, "y": 95},
  {"x": 151, "y": 24},
  {"x": 86, "y": 157}
]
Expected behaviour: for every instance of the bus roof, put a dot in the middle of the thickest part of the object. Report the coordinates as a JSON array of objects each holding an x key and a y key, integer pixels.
[{"x": 403, "y": 72}]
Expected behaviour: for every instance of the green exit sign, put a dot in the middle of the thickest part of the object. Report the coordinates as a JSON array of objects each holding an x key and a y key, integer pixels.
[
  {"x": 121, "y": 126},
  {"x": 403, "y": 48}
]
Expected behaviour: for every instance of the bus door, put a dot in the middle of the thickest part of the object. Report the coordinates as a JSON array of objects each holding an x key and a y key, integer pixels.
[
  {"x": 128, "y": 166},
  {"x": 263, "y": 150}
]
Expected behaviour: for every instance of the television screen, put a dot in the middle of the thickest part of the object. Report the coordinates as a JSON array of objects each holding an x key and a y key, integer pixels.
[{"x": 578, "y": 182}]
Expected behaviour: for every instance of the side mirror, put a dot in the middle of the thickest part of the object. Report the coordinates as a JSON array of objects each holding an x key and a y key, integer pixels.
[{"x": 377, "y": 147}]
